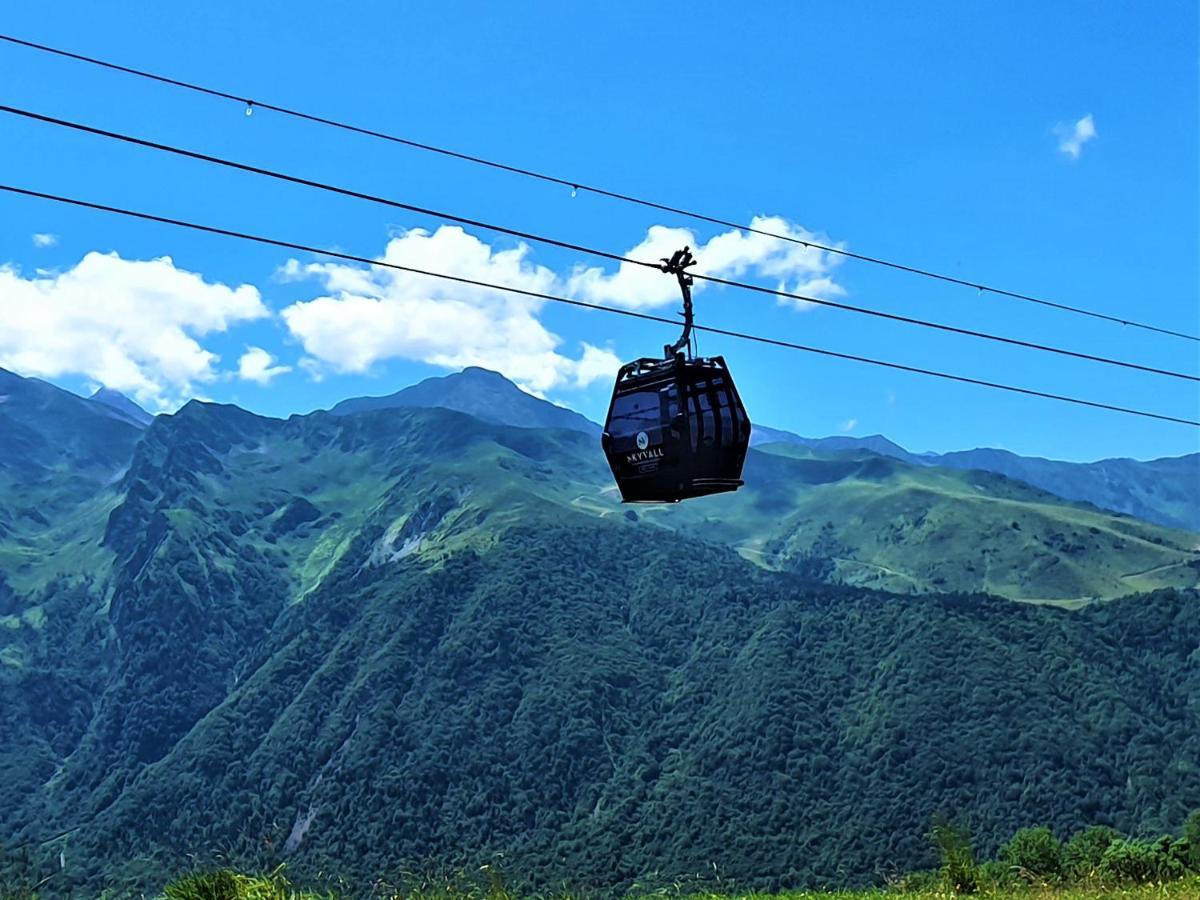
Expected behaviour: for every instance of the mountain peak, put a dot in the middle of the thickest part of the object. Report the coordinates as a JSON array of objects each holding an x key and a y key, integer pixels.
[
  {"x": 121, "y": 404},
  {"x": 478, "y": 392},
  {"x": 481, "y": 373}
]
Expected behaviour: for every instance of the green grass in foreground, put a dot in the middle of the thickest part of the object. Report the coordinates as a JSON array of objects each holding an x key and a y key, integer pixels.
[
  {"x": 234, "y": 887},
  {"x": 486, "y": 884},
  {"x": 228, "y": 885},
  {"x": 1174, "y": 889}
]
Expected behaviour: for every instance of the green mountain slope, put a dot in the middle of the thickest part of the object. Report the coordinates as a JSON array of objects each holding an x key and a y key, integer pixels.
[
  {"x": 61, "y": 457},
  {"x": 405, "y": 637},
  {"x": 887, "y": 524},
  {"x": 859, "y": 519},
  {"x": 1164, "y": 491},
  {"x": 598, "y": 707}
]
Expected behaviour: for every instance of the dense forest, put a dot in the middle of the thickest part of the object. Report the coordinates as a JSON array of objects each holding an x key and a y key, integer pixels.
[
  {"x": 393, "y": 641},
  {"x": 599, "y": 724}
]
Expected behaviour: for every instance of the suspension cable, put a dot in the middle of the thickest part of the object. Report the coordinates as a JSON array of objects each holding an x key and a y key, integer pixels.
[
  {"x": 567, "y": 245},
  {"x": 577, "y": 185}
]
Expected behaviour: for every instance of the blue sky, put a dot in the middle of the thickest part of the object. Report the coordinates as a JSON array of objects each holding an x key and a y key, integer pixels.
[{"x": 938, "y": 135}]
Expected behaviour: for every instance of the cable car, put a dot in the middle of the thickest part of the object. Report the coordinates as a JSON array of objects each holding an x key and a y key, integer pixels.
[{"x": 676, "y": 427}]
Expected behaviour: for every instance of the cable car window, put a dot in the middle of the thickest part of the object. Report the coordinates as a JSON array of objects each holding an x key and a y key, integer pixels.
[
  {"x": 634, "y": 412},
  {"x": 694, "y": 420},
  {"x": 726, "y": 424},
  {"x": 669, "y": 397},
  {"x": 710, "y": 424}
]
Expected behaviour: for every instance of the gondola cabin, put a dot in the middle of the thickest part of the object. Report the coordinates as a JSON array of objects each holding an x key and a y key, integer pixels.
[{"x": 676, "y": 427}]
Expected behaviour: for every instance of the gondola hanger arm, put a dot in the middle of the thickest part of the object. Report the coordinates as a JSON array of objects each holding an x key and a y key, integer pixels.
[{"x": 677, "y": 264}]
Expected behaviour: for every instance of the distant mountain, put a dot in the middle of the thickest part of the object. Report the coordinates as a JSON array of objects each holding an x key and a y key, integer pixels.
[
  {"x": 44, "y": 428},
  {"x": 477, "y": 392},
  {"x": 125, "y": 407},
  {"x": 870, "y": 520},
  {"x": 875, "y": 443},
  {"x": 61, "y": 457},
  {"x": 841, "y": 514},
  {"x": 1163, "y": 491},
  {"x": 406, "y": 638},
  {"x": 1166, "y": 491}
]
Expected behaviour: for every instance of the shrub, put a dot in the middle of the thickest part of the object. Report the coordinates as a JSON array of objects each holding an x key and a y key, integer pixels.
[
  {"x": 1035, "y": 854},
  {"x": 225, "y": 884},
  {"x": 922, "y": 882},
  {"x": 960, "y": 872},
  {"x": 1083, "y": 853},
  {"x": 17, "y": 877},
  {"x": 994, "y": 874},
  {"x": 220, "y": 885},
  {"x": 1191, "y": 834},
  {"x": 1141, "y": 862}
]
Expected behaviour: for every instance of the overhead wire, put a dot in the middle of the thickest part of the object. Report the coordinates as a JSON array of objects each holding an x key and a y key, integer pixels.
[
  {"x": 578, "y": 185},
  {"x": 579, "y": 248},
  {"x": 569, "y": 301}
]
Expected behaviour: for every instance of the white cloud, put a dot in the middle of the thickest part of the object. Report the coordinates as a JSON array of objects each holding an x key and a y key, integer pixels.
[
  {"x": 44, "y": 240},
  {"x": 129, "y": 324},
  {"x": 596, "y": 364},
  {"x": 373, "y": 314},
  {"x": 137, "y": 326},
  {"x": 1071, "y": 138},
  {"x": 849, "y": 425},
  {"x": 255, "y": 365},
  {"x": 733, "y": 254}
]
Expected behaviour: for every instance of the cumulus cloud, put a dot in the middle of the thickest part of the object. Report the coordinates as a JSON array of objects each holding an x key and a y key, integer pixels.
[
  {"x": 849, "y": 425},
  {"x": 129, "y": 324},
  {"x": 793, "y": 267},
  {"x": 42, "y": 239},
  {"x": 372, "y": 314},
  {"x": 1071, "y": 138},
  {"x": 138, "y": 326},
  {"x": 256, "y": 365},
  {"x": 596, "y": 364}
]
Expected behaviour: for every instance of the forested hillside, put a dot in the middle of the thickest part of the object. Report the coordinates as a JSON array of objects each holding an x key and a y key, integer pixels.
[{"x": 356, "y": 643}]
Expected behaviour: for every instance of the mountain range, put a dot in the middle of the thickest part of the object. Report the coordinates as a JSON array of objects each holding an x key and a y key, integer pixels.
[
  {"x": 409, "y": 635},
  {"x": 1164, "y": 491},
  {"x": 861, "y": 512}
]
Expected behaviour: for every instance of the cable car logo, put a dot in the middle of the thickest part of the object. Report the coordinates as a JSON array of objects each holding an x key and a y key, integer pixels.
[
  {"x": 645, "y": 455},
  {"x": 643, "y": 440}
]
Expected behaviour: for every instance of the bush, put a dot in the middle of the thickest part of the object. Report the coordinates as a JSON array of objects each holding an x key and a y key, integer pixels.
[
  {"x": 1191, "y": 834},
  {"x": 219, "y": 885},
  {"x": 921, "y": 882},
  {"x": 18, "y": 879},
  {"x": 1142, "y": 862},
  {"x": 225, "y": 884},
  {"x": 1083, "y": 853},
  {"x": 1035, "y": 854},
  {"x": 994, "y": 874},
  {"x": 960, "y": 872}
]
